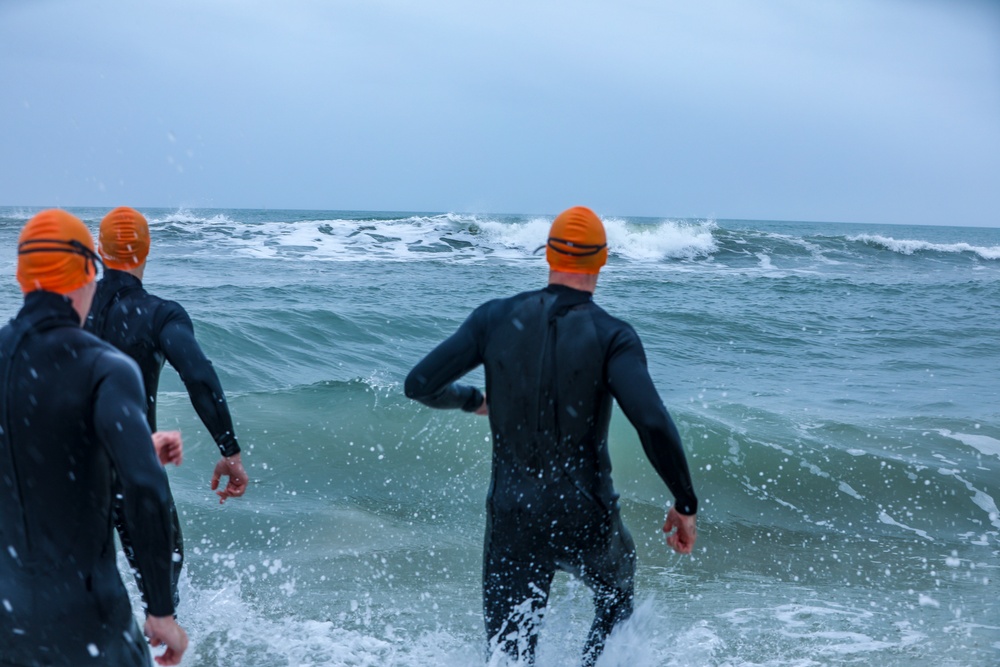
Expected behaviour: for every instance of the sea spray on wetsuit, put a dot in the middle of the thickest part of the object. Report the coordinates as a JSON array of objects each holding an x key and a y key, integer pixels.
[
  {"x": 152, "y": 331},
  {"x": 553, "y": 361}
]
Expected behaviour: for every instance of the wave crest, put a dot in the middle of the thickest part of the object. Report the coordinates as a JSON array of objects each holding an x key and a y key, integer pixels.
[
  {"x": 910, "y": 247},
  {"x": 460, "y": 236}
]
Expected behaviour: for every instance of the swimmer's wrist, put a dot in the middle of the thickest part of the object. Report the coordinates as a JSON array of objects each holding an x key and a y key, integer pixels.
[
  {"x": 688, "y": 508},
  {"x": 163, "y": 610},
  {"x": 228, "y": 445}
]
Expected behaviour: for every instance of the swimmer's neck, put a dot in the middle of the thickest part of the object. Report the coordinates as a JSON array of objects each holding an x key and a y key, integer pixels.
[
  {"x": 585, "y": 282},
  {"x": 136, "y": 271}
]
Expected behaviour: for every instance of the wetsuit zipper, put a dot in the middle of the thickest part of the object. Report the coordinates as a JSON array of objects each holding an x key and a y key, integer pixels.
[
  {"x": 546, "y": 367},
  {"x": 100, "y": 320}
]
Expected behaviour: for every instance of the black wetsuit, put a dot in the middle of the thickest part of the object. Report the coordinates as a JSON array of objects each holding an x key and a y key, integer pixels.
[
  {"x": 152, "y": 330},
  {"x": 553, "y": 362},
  {"x": 72, "y": 427}
]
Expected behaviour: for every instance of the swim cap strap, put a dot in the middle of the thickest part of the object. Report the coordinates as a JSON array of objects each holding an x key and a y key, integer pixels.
[
  {"x": 585, "y": 249},
  {"x": 72, "y": 246}
]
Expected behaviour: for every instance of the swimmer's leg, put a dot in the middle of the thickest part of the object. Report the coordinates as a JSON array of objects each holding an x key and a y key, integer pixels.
[
  {"x": 611, "y": 576},
  {"x": 514, "y": 598}
]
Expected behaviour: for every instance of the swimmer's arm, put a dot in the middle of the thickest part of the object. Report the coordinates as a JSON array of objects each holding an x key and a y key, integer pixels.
[
  {"x": 186, "y": 356},
  {"x": 433, "y": 380},
  {"x": 120, "y": 423},
  {"x": 177, "y": 340},
  {"x": 629, "y": 381}
]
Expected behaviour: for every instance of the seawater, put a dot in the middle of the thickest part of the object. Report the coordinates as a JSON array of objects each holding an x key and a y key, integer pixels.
[{"x": 836, "y": 387}]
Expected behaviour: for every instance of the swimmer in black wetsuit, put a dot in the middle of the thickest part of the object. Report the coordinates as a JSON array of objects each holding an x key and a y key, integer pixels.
[
  {"x": 152, "y": 330},
  {"x": 71, "y": 427},
  {"x": 553, "y": 362}
]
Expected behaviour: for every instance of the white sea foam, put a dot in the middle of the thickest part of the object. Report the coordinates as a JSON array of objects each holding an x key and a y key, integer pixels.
[
  {"x": 980, "y": 498},
  {"x": 816, "y": 251},
  {"x": 225, "y": 628},
  {"x": 886, "y": 519},
  {"x": 800, "y": 622},
  {"x": 524, "y": 237},
  {"x": 846, "y": 488},
  {"x": 229, "y": 624},
  {"x": 664, "y": 240},
  {"x": 186, "y": 216},
  {"x": 984, "y": 443},
  {"x": 348, "y": 240},
  {"x": 927, "y": 601},
  {"x": 909, "y": 247},
  {"x": 19, "y": 214},
  {"x": 455, "y": 236},
  {"x": 820, "y": 631}
]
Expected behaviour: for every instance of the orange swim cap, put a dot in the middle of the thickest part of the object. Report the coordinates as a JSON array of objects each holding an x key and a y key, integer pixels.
[
  {"x": 124, "y": 239},
  {"x": 55, "y": 253},
  {"x": 577, "y": 242}
]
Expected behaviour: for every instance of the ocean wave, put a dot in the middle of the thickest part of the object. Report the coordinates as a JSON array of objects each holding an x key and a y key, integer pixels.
[
  {"x": 405, "y": 238},
  {"x": 643, "y": 242},
  {"x": 184, "y": 216},
  {"x": 665, "y": 240},
  {"x": 911, "y": 247},
  {"x": 19, "y": 214}
]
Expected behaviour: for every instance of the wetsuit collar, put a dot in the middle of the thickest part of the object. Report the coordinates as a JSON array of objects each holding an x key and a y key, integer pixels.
[
  {"x": 566, "y": 298},
  {"x": 41, "y": 305},
  {"x": 567, "y": 290},
  {"x": 120, "y": 279},
  {"x": 114, "y": 285}
]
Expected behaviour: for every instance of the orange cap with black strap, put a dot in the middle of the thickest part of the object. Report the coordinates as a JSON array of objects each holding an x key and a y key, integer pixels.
[
  {"x": 577, "y": 242},
  {"x": 55, "y": 253},
  {"x": 124, "y": 239}
]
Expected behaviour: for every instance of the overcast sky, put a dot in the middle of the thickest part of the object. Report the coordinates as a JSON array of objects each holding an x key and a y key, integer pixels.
[{"x": 830, "y": 110}]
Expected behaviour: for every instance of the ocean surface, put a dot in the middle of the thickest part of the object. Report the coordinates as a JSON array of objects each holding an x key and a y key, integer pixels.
[{"x": 837, "y": 388}]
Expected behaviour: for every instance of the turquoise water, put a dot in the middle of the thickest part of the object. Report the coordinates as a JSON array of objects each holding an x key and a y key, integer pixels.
[{"x": 836, "y": 387}]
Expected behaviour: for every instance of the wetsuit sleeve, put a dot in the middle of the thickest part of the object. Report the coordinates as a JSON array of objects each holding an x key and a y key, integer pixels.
[
  {"x": 630, "y": 384},
  {"x": 176, "y": 338},
  {"x": 120, "y": 424},
  {"x": 432, "y": 381}
]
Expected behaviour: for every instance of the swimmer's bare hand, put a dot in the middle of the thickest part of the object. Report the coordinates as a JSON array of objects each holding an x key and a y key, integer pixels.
[
  {"x": 483, "y": 409},
  {"x": 169, "y": 447},
  {"x": 236, "y": 486},
  {"x": 685, "y": 531},
  {"x": 164, "y": 631}
]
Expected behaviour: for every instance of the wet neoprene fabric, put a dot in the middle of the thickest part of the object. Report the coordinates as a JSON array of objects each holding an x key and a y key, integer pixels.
[
  {"x": 152, "y": 330},
  {"x": 72, "y": 425}
]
